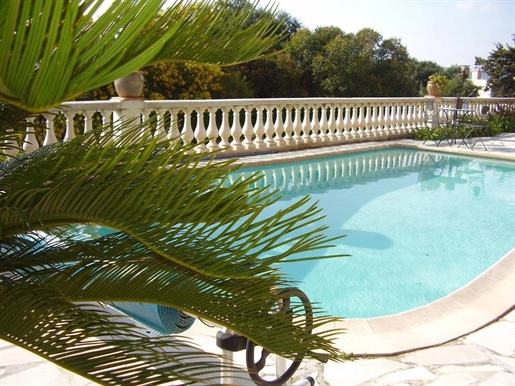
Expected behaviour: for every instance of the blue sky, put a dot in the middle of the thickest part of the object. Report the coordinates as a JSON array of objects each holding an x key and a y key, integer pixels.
[{"x": 444, "y": 31}]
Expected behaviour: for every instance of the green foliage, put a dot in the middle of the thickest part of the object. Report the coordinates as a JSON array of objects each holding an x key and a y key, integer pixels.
[
  {"x": 439, "y": 80},
  {"x": 500, "y": 65},
  {"x": 181, "y": 81},
  {"x": 458, "y": 86},
  {"x": 170, "y": 215},
  {"x": 351, "y": 65},
  {"x": 503, "y": 121},
  {"x": 182, "y": 236},
  {"x": 305, "y": 47},
  {"x": 276, "y": 77},
  {"x": 234, "y": 85},
  {"x": 92, "y": 54},
  {"x": 420, "y": 72}
]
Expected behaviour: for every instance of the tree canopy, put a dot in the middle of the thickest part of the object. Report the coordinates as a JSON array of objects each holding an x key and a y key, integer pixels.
[
  {"x": 500, "y": 65},
  {"x": 348, "y": 65}
]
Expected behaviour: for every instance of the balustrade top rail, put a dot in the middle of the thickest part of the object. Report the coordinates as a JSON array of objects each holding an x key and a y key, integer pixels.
[{"x": 246, "y": 126}]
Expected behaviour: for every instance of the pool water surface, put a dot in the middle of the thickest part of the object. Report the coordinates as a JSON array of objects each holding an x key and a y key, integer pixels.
[{"x": 419, "y": 225}]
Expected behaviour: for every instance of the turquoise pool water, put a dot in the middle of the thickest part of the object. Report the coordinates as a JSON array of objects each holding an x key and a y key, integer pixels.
[{"x": 419, "y": 225}]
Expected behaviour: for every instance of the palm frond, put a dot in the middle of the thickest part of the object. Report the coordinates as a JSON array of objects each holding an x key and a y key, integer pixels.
[
  {"x": 182, "y": 236},
  {"x": 175, "y": 205},
  {"x": 92, "y": 341},
  {"x": 68, "y": 43}
]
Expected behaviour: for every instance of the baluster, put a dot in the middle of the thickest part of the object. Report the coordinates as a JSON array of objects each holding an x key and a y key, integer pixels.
[
  {"x": 159, "y": 131},
  {"x": 373, "y": 121},
  {"x": 331, "y": 123},
  {"x": 297, "y": 125},
  {"x": 288, "y": 126},
  {"x": 339, "y": 124},
  {"x": 88, "y": 120},
  {"x": 347, "y": 123},
  {"x": 368, "y": 110},
  {"x": 269, "y": 128},
  {"x": 404, "y": 119},
  {"x": 236, "y": 131},
  {"x": 279, "y": 127},
  {"x": 323, "y": 124},
  {"x": 174, "y": 134},
  {"x": 50, "y": 137},
  {"x": 187, "y": 131},
  {"x": 306, "y": 126},
  {"x": 70, "y": 131},
  {"x": 106, "y": 131},
  {"x": 411, "y": 119},
  {"x": 380, "y": 121},
  {"x": 225, "y": 130},
  {"x": 354, "y": 122},
  {"x": 200, "y": 132},
  {"x": 396, "y": 119},
  {"x": 259, "y": 129},
  {"x": 361, "y": 121},
  {"x": 212, "y": 131},
  {"x": 315, "y": 125},
  {"x": 30, "y": 142},
  {"x": 146, "y": 119},
  {"x": 420, "y": 116},
  {"x": 388, "y": 120},
  {"x": 248, "y": 131}
]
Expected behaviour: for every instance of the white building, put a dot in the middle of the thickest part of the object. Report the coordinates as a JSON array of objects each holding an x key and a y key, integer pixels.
[{"x": 479, "y": 78}]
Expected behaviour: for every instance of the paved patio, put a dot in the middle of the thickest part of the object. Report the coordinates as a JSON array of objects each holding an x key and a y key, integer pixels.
[{"x": 467, "y": 338}]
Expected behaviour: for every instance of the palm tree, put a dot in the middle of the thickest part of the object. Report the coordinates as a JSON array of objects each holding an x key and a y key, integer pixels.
[{"x": 180, "y": 235}]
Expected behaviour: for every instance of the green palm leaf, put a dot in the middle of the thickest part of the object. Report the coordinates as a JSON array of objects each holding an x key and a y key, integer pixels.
[
  {"x": 183, "y": 238},
  {"x": 41, "y": 41},
  {"x": 89, "y": 340}
]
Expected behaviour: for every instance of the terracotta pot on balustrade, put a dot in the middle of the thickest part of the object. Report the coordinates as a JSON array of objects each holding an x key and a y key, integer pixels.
[
  {"x": 433, "y": 90},
  {"x": 130, "y": 86}
]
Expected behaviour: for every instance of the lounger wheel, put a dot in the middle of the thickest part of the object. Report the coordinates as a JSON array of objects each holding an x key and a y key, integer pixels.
[{"x": 284, "y": 306}]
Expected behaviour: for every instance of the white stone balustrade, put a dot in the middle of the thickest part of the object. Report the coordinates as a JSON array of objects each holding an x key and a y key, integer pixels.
[{"x": 245, "y": 126}]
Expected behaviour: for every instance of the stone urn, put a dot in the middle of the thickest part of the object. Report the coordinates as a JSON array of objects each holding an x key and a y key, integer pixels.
[
  {"x": 433, "y": 90},
  {"x": 130, "y": 86}
]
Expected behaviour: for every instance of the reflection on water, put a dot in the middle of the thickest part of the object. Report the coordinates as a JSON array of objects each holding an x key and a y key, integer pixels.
[
  {"x": 318, "y": 176},
  {"x": 419, "y": 225},
  {"x": 437, "y": 171}
]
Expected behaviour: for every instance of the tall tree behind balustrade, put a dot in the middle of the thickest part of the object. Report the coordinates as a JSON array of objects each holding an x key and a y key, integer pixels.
[
  {"x": 500, "y": 65},
  {"x": 273, "y": 77},
  {"x": 337, "y": 64},
  {"x": 305, "y": 47}
]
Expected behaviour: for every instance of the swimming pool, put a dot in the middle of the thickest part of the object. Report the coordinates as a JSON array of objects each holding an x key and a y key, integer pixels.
[{"x": 419, "y": 225}]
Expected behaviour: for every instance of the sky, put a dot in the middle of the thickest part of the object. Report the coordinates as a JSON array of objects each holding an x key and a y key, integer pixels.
[{"x": 444, "y": 31}]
